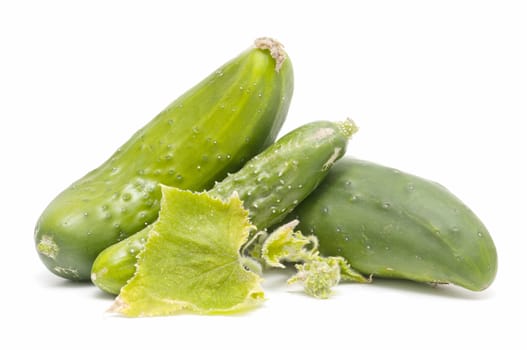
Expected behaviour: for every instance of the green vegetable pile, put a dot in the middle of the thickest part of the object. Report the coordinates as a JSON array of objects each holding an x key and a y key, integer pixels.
[{"x": 189, "y": 214}]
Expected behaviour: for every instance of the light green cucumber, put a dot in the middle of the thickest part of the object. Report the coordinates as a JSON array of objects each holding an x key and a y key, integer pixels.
[
  {"x": 211, "y": 130},
  {"x": 270, "y": 186},
  {"x": 391, "y": 224}
]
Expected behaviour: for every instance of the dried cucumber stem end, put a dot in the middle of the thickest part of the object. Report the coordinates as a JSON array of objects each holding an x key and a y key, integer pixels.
[
  {"x": 348, "y": 127},
  {"x": 275, "y": 48}
]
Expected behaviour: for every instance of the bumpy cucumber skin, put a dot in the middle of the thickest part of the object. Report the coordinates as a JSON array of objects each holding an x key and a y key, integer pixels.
[
  {"x": 391, "y": 224},
  {"x": 211, "y": 130},
  {"x": 270, "y": 185},
  {"x": 275, "y": 181}
]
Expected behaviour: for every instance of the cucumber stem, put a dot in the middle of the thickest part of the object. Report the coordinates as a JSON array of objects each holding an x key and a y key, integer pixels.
[
  {"x": 348, "y": 127},
  {"x": 275, "y": 48}
]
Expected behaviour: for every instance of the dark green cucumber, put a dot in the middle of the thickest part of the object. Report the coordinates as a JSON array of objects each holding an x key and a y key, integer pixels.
[
  {"x": 270, "y": 186},
  {"x": 391, "y": 224},
  {"x": 211, "y": 130}
]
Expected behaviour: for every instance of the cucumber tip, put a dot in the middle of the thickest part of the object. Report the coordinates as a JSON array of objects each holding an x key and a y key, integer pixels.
[
  {"x": 348, "y": 127},
  {"x": 276, "y": 49}
]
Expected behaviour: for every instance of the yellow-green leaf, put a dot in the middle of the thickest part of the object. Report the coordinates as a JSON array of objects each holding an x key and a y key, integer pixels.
[
  {"x": 316, "y": 273},
  {"x": 286, "y": 244},
  {"x": 191, "y": 261}
]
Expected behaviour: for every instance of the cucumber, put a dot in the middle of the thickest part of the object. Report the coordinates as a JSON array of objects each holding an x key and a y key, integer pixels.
[
  {"x": 391, "y": 224},
  {"x": 270, "y": 185},
  {"x": 211, "y": 130}
]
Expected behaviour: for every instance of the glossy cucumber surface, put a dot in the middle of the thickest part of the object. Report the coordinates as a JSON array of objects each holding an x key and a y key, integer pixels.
[
  {"x": 211, "y": 130},
  {"x": 270, "y": 185},
  {"x": 392, "y": 224}
]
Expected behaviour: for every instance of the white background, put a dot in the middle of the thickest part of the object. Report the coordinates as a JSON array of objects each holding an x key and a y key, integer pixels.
[{"x": 438, "y": 89}]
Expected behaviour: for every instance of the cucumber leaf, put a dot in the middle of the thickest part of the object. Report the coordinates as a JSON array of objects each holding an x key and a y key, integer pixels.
[
  {"x": 191, "y": 261},
  {"x": 286, "y": 244},
  {"x": 318, "y": 274}
]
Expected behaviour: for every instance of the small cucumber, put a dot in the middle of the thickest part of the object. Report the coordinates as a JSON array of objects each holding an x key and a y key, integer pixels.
[
  {"x": 270, "y": 185},
  {"x": 212, "y": 129},
  {"x": 391, "y": 224}
]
